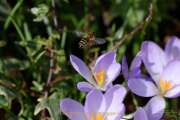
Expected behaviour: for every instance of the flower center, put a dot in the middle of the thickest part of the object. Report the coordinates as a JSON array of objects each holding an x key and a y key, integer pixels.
[
  {"x": 167, "y": 85},
  {"x": 99, "y": 117},
  {"x": 99, "y": 79}
]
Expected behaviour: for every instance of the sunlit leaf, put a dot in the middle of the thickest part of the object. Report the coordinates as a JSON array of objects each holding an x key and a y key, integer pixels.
[
  {"x": 60, "y": 58},
  {"x": 37, "y": 86},
  {"x": 5, "y": 80},
  {"x": 51, "y": 104},
  {"x": 16, "y": 64},
  {"x": 8, "y": 93},
  {"x": 3, "y": 100},
  {"x": 32, "y": 44},
  {"x": 40, "y": 12}
]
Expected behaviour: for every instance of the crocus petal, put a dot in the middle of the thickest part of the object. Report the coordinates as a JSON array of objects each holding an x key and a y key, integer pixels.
[
  {"x": 146, "y": 77},
  {"x": 142, "y": 87},
  {"x": 99, "y": 58},
  {"x": 113, "y": 71},
  {"x": 105, "y": 62},
  {"x": 154, "y": 60},
  {"x": 116, "y": 112},
  {"x": 114, "y": 96},
  {"x": 95, "y": 102},
  {"x": 125, "y": 69},
  {"x": 175, "y": 92},
  {"x": 107, "y": 87},
  {"x": 140, "y": 114},
  {"x": 172, "y": 49},
  {"x": 85, "y": 87},
  {"x": 82, "y": 69},
  {"x": 136, "y": 61},
  {"x": 69, "y": 107},
  {"x": 155, "y": 108},
  {"x": 171, "y": 72}
]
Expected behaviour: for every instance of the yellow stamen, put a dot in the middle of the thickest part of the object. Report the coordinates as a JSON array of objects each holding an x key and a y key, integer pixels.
[
  {"x": 99, "y": 117},
  {"x": 100, "y": 75},
  {"x": 167, "y": 85},
  {"x": 177, "y": 57}
]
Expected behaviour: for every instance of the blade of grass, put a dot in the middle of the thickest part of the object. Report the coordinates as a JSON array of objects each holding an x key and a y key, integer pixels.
[
  {"x": 39, "y": 56},
  {"x": 20, "y": 34},
  {"x": 27, "y": 32},
  {"x": 48, "y": 27},
  {"x": 63, "y": 40},
  {"x": 134, "y": 101},
  {"x": 176, "y": 118},
  {"x": 11, "y": 14}
]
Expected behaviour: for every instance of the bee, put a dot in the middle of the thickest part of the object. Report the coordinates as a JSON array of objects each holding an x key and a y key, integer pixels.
[{"x": 90, "y": 39}]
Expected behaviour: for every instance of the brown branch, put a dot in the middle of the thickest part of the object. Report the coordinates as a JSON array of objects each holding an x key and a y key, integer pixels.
[
  {"x": 59, "y": 78},
  {"x": 46, "y": 92},
  {"x": 135, "y": 30},
  {"x": 55, "y": 18}
]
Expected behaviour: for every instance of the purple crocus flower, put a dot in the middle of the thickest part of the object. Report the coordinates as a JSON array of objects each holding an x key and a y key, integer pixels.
[
  {"x": 105, "y": 72},
  {"x": 149, "y": 113},
  {"x": 166, "y": 79},
  {"x": 134, "y": 70},
  {"x": 172, "y": 49},
  {"x": 98, "y": 106}
]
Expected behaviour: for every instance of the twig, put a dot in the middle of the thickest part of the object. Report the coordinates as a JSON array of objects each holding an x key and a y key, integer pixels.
[
  {"x": 59, "y": 78},
  {"x": 55, "y": 18},
  {"x": 46, "y": 92},
  {"x": 135, "y": 30}
]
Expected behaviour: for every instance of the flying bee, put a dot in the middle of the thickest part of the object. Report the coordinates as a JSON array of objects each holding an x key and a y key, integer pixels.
[{"x": 89, "y": 39}]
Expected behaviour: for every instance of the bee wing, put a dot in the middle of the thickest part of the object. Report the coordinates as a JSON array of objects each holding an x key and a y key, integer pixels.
[
  {"x": 96, "y": 41},
  {"x": 79, "y": 33}
]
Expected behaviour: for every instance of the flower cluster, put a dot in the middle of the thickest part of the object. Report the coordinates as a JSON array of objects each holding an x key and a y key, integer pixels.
[{"x": 164, "y": 81}]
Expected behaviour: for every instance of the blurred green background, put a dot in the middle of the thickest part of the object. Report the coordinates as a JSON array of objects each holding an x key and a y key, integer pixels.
[{"x": 25, "y": 58}]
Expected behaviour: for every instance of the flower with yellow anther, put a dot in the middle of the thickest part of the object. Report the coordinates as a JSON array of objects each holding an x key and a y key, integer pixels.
[
  {"x": 104, "y": 73},
  {"x": 98, "y": 106},
  {"x": 165, "y": 77}
]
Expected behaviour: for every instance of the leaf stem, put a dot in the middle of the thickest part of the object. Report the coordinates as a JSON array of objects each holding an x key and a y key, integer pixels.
[{"x": 135, "y": 101}]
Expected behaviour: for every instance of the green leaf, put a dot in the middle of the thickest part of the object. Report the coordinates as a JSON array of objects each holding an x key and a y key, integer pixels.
[
  {"x": 32, "y": 44},
  {"x": 8, "y": 93},
  {"x": 39, "y": 56},
  {"x": 15, "y": 64},
  {"x": 60, "y": 58},
  {"x": 63, "y": 40},
  {"x": 51, "y": 104},
  {"x": 3, "y": 100},
  {"x": 4, "y": 10},
  {"x": 2, "y": 43},
  {"x": 5, "y": 80},
  {"x": 6, "y": 24},
  {"x": 120, "y": 31},
  {"x": 40, "y": 12},
  {"x": 38, "y": 86}
]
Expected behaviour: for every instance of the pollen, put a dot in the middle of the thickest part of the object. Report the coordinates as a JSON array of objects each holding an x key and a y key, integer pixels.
[
  {"x": 99, "y": 117},
  {"x": 99, "y": 79},
  {"x": 167, "y": 85}
]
